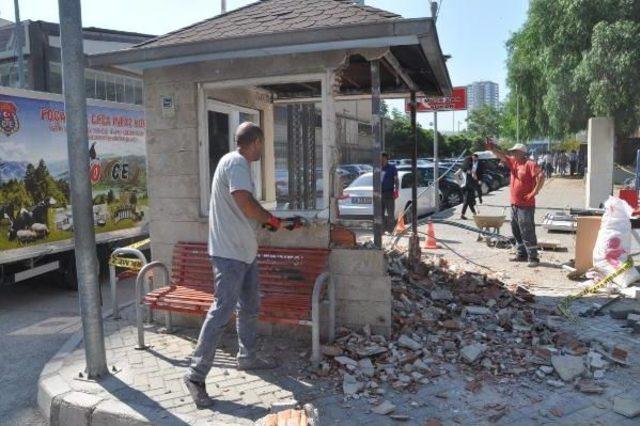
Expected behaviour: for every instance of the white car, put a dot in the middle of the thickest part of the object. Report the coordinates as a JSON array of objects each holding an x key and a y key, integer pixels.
[{"x": 357, "y": 198}]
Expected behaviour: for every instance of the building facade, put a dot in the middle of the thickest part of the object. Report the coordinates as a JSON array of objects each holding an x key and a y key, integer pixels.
[
  {"x": 482, "y": 93},
  {"x": 42, "y": 61}
]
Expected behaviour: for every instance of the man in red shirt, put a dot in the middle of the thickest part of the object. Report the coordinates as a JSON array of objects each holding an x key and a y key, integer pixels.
[{"x": 526, "y": 181}]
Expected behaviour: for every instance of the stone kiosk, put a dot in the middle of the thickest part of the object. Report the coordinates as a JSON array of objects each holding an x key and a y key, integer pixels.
[{"x": 287, "y": 65}]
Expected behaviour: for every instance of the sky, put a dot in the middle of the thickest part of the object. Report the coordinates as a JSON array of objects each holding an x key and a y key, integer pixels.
[{"x": 473, "y": 32}]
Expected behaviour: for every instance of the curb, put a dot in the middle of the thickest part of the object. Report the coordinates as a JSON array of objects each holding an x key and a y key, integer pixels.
[{"x": 61, "y": 405}]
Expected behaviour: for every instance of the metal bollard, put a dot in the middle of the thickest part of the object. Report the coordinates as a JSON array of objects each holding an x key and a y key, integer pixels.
[
  {"x": 113, "y": 280},
  {"x": 139, "y": 297}
]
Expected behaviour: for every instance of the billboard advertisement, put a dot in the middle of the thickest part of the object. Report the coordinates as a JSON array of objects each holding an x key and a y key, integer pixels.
[
  {"x": 35, "y": 200},
  {"x": 456, "y": 102}
]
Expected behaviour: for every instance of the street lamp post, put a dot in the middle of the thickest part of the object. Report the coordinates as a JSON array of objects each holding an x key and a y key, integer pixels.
[{"x": 75, "y": 106}]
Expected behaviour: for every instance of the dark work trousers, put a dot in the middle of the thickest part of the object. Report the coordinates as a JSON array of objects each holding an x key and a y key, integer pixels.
[
  {"x": 477, "y": 185},
  {"x": 523, "y": 228},
  {"x": 572, "y": 167},
  {"x": 388, "y": 211},
  {"x": 469, "y": 197}
]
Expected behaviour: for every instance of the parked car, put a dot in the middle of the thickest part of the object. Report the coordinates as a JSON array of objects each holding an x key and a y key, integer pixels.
[
  {"x": 450, "y": 192},
  {"x": 357, "y": 198}
]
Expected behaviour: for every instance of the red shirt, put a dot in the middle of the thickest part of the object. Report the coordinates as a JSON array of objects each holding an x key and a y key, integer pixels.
[{"x": 523, "y": 181}]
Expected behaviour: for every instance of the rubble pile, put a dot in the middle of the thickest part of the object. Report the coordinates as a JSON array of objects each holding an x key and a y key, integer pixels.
[{"x": 447, "y": 320}]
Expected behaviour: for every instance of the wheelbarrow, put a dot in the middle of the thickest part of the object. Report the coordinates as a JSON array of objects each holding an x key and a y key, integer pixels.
[{"x": 489, "y": 223}]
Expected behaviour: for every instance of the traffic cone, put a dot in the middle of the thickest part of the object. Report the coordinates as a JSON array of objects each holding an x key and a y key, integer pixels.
[
  {"x": 400, "y": 225},
  {"x": 430, "y": 241}
]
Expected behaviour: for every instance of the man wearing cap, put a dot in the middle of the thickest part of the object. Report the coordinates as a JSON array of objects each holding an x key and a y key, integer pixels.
[{"x": 526, "y": 181}]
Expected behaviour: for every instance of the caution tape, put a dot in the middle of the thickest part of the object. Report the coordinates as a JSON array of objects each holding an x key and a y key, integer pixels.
[
  {"x": 120, "y": 261},
  {"x": 138, "y": 245},
  {"x": 565, "y": 304}
]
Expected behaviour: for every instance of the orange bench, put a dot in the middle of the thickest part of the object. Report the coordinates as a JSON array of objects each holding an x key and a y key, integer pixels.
[{"x": 293, "y": 282}]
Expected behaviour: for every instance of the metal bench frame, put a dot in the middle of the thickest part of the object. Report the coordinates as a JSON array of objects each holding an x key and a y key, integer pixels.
[{"x": 322, "y": 285}]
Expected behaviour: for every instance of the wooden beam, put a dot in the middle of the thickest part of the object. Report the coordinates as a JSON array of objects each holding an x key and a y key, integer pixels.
[{"x": 400, "y": 72}]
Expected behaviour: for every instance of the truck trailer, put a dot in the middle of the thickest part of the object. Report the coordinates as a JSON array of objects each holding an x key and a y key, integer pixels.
[{"x": 36, "y": 221}]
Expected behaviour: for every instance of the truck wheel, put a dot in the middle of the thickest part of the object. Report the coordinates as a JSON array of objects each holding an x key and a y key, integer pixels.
[{"x": 67, "y": 277}]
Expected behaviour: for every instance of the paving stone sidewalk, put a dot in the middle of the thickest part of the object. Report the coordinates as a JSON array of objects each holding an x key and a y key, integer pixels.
[{"x": 146, "y": 388}]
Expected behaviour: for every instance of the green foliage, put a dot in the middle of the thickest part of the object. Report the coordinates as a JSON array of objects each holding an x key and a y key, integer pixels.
[
  {"x": 574, "y": 59},
  {"x": 484, "y": 122},
  {"x": 110, "y": 197},
  {"x": 399, "y": 139}
]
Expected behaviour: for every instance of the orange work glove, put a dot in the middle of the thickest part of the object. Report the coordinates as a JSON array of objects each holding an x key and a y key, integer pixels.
[{"x": 273, "y": 225}]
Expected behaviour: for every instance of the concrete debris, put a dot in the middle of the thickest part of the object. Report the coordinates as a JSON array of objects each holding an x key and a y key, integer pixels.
[
  {"x": 400, "y": 417},
  {"x": 628, "y": 407},
  {"x": 288, "y": 404},
  {"x": 476, "y": 310},
  {"x": 441, "y": 294},
  {"x": 350, "y": 385},
  {"x": 445, "y": 318},
  {"x": 408, "y": 342},
  {"x": 568, "y": 367},
  {"x": 383, "y": 409},
  {"x": 595, "y": 361},
  {"x": 331, "y": 350},
  {"x": 555, "y": 383},
  {"x": 345, "y": 360},
  {"x": 366, "y": 367},
  {"x": 472, "y": 352},
  {"x": 589, "y": 387}
]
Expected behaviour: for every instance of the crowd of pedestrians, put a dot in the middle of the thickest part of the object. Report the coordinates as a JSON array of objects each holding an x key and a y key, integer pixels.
[{"x": 561, "y": 163}]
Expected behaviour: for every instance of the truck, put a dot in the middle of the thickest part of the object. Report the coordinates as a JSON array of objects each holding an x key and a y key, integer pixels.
[{"x": 36, "y": 220}]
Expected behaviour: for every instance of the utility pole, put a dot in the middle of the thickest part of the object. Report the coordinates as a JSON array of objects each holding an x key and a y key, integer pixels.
[
  {"x": 436, "y": 195},
  {"x": 19, "y": 33},
  {"x": 223, "y": 6},
  {"x": 414, "y": 241},
  {"x": 376, "y": 132},
  {"x": 75, "y": 106}
]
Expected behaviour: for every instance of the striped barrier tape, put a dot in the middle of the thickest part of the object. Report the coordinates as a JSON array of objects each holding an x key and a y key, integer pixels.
[
  {"x": 565, "y": 304},
  {"x": 120, "y": 261}
]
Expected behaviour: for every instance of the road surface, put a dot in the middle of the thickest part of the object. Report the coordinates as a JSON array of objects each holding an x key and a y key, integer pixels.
[{"x": 36, "y": 318}]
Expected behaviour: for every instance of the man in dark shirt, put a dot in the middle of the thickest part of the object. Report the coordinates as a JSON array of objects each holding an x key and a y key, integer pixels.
[{"x": 390, "y": 186}]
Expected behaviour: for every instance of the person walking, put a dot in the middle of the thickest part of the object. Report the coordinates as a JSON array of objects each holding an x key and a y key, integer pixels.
[
  {"x": 526, "y": 181},
  {"x": 573, "y": 162},
  {"x": 469, "y": 185},
  {"x": 390, "y": 191},
  {"x": 564, "y": 160},
  {"x": 234, "y": 214},
  {"x": 547, "y": 167},
  {"x": 477, "y": 172}
]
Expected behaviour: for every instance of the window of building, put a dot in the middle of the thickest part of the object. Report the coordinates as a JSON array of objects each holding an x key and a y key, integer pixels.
[
  {"x": 100, "y": 85},
  {"x": 222, "y": 120}
]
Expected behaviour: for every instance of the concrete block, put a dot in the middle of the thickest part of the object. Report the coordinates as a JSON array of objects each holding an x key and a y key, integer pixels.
[
  {"x": 172, "y": 164},
  {"x": 362, "y": 288},
  {"x": 174, "y": 209},
  {"x": 75, "y": 409},
  {"x": 599, "y": 179},
  {"x": 172, "y": 140},
  {"x": 174, "y": 187},
  {"x": 315, "y": 235},
  {"x": 358, "y": 262},
  {"x": 172, "y": 232},
  {"x": 49, "y": 388},
  {"x": 358, "y": 314},
  {"x": 116, "y": 413}
]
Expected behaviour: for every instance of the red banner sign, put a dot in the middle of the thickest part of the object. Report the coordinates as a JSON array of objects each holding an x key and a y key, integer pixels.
[{"x": 456, "y": 102}]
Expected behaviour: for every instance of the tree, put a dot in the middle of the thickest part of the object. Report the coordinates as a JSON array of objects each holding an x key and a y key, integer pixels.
[
  {"x": 574, "y": 59},
  {"x": 484, "y": 122},
  {"x": 110, "y": 197},
  {"x": 133, "y": 199},
  {"x": 31, "y": 182}
]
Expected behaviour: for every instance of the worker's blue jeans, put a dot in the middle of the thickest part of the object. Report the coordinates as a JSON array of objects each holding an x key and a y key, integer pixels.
[
  {"x": 523, "y": 228},
  {"x": 236, "y": 286}
]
